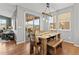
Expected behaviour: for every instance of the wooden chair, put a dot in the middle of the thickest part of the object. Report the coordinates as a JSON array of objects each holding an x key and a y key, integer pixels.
[{"x": 35, "y": 48}]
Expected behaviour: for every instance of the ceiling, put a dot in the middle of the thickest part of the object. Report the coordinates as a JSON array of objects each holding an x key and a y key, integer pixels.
[
  {"x": 7, "y": 9},
  {"x": 40, "y": 7}
]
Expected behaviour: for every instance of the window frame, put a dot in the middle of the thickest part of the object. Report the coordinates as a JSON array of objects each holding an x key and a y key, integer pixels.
[
  {"x": 54, "y": 21},
  {"x": 65, "y": 21},
  {"x": 1, "y": 23}
]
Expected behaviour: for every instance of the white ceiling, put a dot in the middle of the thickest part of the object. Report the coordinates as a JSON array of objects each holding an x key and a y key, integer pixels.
[
  {"x": 8, "y": 8},
  {"x": 40, "y": 7}
]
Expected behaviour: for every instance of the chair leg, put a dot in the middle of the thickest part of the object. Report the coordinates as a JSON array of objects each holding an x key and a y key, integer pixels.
[
  {"x": 35, "y": 50},
  {"x": 39, "y": 50},
  {"x": 54, "y": 50}
]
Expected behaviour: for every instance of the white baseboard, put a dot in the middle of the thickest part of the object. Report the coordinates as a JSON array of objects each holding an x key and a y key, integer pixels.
[
  {"x": 74, "y": 44},
  {"x": 20, "y": 42},
  {"x": 27, "y": 40},
  {"x": 23, "y": 41},
  {"x": 69, "y": 41}
]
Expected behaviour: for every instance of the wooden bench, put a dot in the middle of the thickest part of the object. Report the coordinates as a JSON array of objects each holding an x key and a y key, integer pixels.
[{"x": 55, "y": 43}]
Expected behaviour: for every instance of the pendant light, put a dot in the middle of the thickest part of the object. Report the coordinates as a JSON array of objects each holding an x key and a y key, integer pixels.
[
  {"x": 47, "y": 10},
  {"x": 46, "y": 13}
]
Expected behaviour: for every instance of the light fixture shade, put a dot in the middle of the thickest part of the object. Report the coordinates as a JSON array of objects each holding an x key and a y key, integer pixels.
[{"x": 47, "y": 10}]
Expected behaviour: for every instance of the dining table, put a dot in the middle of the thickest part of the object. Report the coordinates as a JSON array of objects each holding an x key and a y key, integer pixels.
[{"x": 43, "y": 38}]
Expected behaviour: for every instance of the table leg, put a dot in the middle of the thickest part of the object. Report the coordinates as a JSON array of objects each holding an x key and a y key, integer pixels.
[{"x": 54, "y": 50}]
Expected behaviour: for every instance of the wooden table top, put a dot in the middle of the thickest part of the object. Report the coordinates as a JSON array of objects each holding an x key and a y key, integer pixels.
[{"x": 47, "y": 35}]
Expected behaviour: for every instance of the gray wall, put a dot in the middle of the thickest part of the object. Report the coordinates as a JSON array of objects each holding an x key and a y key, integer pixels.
[
  {"x": 13, "y": 22},
  {"x": 71, "y": 35},
  {"x": 66, "y": 34},
  {"x": 20, "y": 23},
  {"x": 75, "y": 24}
]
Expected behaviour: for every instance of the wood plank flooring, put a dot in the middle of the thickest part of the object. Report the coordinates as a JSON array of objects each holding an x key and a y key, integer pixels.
[
  {"x": 10, "y": 48},
  {"x": 68, "y": 49}
]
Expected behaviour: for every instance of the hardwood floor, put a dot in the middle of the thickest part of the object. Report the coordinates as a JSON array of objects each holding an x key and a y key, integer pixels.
[
  {"x": 10, "y": 48},
  {"x": 68, "y": 49}
]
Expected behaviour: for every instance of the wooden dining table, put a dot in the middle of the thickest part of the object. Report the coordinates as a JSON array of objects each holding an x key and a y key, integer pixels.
[{"x": 43, "y": 37}]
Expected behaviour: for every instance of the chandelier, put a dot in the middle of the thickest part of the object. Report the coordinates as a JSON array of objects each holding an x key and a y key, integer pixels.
[{"x": 47, "y": 10}]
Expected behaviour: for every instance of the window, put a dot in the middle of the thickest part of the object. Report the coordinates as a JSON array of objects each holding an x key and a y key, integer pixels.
[
  {"x": 33, "y": 24},
  {"x": 52, "y": 23},
  {"x": 36, "y": 24},
  {"x": 64, "y": 20},
  {"x": 30, "y": 24},
  {"x": 5, "y": 22},
  {"x": 2, "y": 23}
]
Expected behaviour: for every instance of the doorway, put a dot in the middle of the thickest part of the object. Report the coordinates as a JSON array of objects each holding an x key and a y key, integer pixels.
[{"x": 32, "y": 24}]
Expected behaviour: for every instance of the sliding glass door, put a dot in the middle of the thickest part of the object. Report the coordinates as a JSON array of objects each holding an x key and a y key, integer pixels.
[
  {"x": 32, "y": 25},
  {"x": 37, "y": 25}
]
